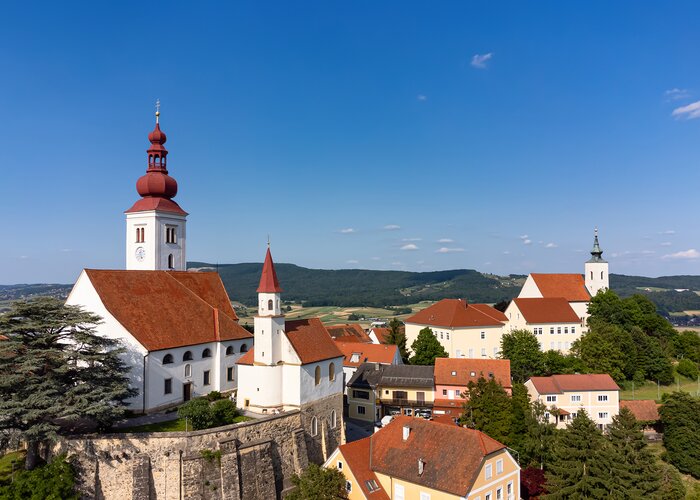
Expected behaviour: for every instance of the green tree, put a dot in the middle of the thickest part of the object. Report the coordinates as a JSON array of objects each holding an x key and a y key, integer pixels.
[
  {"x": 397, "y": 337},
  {"x": 540, "y": 440},
  {"x": 557, "y": 363},
  {"x": 598, "y": 353},
  {"x": 318, "y": 483},
  {"x": 680, "y": 416},
  {"x": 688, "y": 345},
  {"x": 488, "y": 409},
  {"x": 633, "y": 467},
  {"x": 580, "y": 463},
  {"x": 54, "y": 481},
  {"x": 56, "y": 372},
  {"x": 426, "y": 348},
  {"x": 687, "y": 368},
  {"x": 522, "y": 348},
  {"x": 671, "y": 485}
]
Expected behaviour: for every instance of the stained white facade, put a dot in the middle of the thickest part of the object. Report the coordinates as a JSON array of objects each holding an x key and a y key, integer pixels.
[{"x": 156, "y": 240}]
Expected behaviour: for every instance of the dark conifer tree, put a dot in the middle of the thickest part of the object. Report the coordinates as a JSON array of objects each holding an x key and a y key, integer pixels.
[{"x": 488, "y": 408}]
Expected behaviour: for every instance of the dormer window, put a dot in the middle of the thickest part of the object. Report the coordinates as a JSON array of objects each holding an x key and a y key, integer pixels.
[
  {"x": 454, "y": 373},
  {"x": 355, "y": 358}
]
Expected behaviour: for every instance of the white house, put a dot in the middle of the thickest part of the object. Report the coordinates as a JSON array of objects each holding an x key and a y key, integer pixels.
[
  {"x": 294, "y": 362},
  {"x": 181, "y": 335},
  {"x": 552, "y": 320}
]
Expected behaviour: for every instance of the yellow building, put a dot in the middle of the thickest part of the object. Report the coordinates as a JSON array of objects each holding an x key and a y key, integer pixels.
[
  {"x": 424, "y": 460},
  {"x": 566, "y": 395},
  {"x": 464, "y": 330}
]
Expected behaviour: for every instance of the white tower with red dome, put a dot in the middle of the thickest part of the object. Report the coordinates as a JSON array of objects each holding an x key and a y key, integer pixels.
[{"x": 155, "y": 224}]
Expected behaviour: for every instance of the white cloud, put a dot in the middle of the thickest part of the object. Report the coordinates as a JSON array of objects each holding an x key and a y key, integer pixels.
[
  {"x": 506, "y": 252},
  {"x": 668, "y": 232},
  {"x": 524, "y": 237},
  {"x": 347, "y": 230},
  {"x": 66, "y": 250},
  {"x": 449, "y": 250},
  {"x": 445, "y": 240},
  {"x": 392, "y": 227},
  {"x": 352, "y": 261},
  {"x": 420, "y": 262},
  {"x": 23, "y": 257},
  {"x": 676, "y": 93},
  {"x": 686, "y": 254},
  {"x": 397, "y": 263},
  {"x": 527, "y": 242},
  {"x": 665, "y": 244},
  {"x": 410, "y": 246},
  {"x": 376, "y": 258},
  {"x": 551, "y": 245},
  {"x": 688, "y": 112},
  {"x": 422, "y": 97},
  {"x": 411, "y": 239},
  {"x": 480, "y": 60}
]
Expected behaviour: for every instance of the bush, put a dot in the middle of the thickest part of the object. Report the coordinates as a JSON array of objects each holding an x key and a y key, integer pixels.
[
  {"x": 687, "y": 368},
  {"x": 214, "y": 396},
  {"x": 224, "y": 412},
  {"x": 55, "y": 481},
  {"x": 198, "y": 412},
  {"x": 353, "y": 317}
]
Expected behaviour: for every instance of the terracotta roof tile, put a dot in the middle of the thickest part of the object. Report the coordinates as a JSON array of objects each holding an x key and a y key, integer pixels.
[
  {"x": 550, "y": 310},
  {"x": 247, "y": 358},
  {"x": 458, "y": 313},
  {"x": 382, "y": 334},
  {"x": 311, "y": 340},
  {"x": 350, "y": 332},
  {"x": 356, "y": 455},
  {"x": 268, "y": 278},
  {"x": 156, "y": 203},
  {"x": 367, "y": 353},
  {"x": 164, "y": 309},
  {"x": 452, "y": 455},
  {"x": 570, "y": 286},
  {"x": 644, "y": 410},
  {"x": 558, "y": 384},
  {"x": 464, "y": 367}
]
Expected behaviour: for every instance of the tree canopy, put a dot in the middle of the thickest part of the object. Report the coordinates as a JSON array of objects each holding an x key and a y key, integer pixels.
[
  {"x": 522, "y": 348},
  {"x": 318, "y": 483},
  {"x": 397, "y": 337},
  {"x": 426, "y": 348},
  {"x": 57, "y": 372},
  {"x": 488, "y": 409},
  {"x": 680, "y": 416}
]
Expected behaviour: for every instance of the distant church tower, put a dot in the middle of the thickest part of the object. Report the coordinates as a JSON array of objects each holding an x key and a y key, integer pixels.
[
  {"x": 269, "y": 322},
  {"x": 596, "y": 270},
  {"x": 155, "y": 225}
]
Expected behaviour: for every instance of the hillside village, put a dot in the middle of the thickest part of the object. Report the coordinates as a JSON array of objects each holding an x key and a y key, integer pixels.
[{"x": 460, "y": 400}]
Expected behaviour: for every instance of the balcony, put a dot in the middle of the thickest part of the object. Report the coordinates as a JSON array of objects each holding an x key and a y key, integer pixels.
[{"x": 406, "y": 402}]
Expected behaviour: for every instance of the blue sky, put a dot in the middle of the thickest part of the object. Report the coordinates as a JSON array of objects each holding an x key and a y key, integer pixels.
[{"x": 385, "y": 135}]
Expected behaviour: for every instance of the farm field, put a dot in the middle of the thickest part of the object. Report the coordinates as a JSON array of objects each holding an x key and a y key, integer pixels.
[{"x": 650, "y": 391}]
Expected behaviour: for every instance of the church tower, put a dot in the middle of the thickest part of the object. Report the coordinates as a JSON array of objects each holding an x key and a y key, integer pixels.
[
  {"x": 269, "y": 322},
  {"x": 155, "y": 224},
  {"x": 596, "y": 270}
]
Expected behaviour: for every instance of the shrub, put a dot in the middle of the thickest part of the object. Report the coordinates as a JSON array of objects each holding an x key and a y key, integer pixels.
[
  {"x": 198, "y": 412},
  {"x": 224, "y": 412},
  {"x": 214, "y": 396},
  {"x": 53, "y": 481},
  {"x": 687, "y": 368}
]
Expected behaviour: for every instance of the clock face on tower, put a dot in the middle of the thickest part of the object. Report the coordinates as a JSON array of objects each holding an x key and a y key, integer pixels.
[{"x": 140, "y": 254}]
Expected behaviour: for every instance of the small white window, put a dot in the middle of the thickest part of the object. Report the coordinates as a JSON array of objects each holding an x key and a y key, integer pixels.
[
  {"x": 566, "y": 329},
  {"x": 483, "y": 352},
  {"x": 573, "y": 329},
  {"x": 552, "y": 344},
  {"x": 551, "y": 330},
  {"x": 424, "y": 496},
  {"x": 558, "y": 330},
  {"x": 499, "y": 466},
  {"x": 444, "y": 392},
  {"x": 499, "y": 494},
  {"x": 483, "y": 335},
  {"x": 575, "y": 398},
  {"x": 188, "y": 370},
  {"x": 603, "y": 414},
  {"x": 602, "y": 398},
  {"x": 447, "y": 335},
  {"x": 495, "y": 352},
  {"x": 340, "y": 465},
  {"x": 399, "y": 492},
  {"x": 334, "y": 419},
  {"x": 348, "y": 486},
  {"x": 488, "y": 472},
  {"x": 314, "y": 426},
  {"x": 472, "y": 374},
  {"x": 551, "y": 399},
  {"x": 471, "y": 352},
  {"x": 488, "y": 496}
]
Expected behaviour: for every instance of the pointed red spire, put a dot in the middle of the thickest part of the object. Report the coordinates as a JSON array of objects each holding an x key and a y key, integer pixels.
[{"x": 268, "y": 279}]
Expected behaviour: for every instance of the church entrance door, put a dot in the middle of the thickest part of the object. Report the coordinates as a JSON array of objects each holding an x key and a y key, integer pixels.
[{"x": 187, "y": 391}]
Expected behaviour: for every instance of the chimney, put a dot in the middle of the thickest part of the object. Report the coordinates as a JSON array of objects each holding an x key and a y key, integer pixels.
[
  {"x": 421, "y": 465},
  {"x": 406, "y": 432}
]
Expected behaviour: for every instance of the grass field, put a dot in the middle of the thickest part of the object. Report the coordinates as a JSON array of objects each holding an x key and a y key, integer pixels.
[
  {"x": 171, "y": 426},
  {"x": 650, "y": 391},
  {"x": 16, "y": 459}
]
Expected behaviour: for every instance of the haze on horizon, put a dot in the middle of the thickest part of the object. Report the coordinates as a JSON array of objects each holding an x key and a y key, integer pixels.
[{"x": 394, "y": 136}]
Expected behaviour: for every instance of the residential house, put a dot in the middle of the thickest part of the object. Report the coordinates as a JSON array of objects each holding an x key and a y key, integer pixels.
[
  {"x": 357, "y": 353},
  {"x": 413, "y": 458},
  {"x": 553, "y": 321},
  {"x": 452, "y": 378},
  {"x": 464, "y": 330},
  {"x": 349, "y": 332},
  {"x": 379, "y": 335},
  {"x": 566, "y": 395}
]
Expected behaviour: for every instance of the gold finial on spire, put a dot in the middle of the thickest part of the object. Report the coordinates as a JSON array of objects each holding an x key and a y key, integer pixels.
[{"x": 157, "y": 109}]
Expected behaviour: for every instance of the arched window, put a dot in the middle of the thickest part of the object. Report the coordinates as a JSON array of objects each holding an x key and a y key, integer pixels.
[
  {"x": 229, "y": 350},
  {"x": 601, "y": 275},
  {"x": 269, "y": 305},
  {"x": 591, "y": 274},
  {"x": 334, "y": 419},
  {"x": 188, "y": 370},
  {"x": 331, "y": 372},
  {"x": 138, "y": 235},
  {"x": 244, "y": 348},
  {"x": 167, "y": 359},
  {"x": 314, "y": 426},
  {"x": 171, "y": 261},
  {"x": 318, "y": 375},
  {"x": 187, "y": 356},
  {"x": 206, "y": 353}
]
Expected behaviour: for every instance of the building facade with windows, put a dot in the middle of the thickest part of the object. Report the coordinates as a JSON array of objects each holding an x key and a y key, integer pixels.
[
  {"x": 464, "y": 330},
  {"x": 553, "y": 321},
  {"x": 566, "y": 395},
  {"x": 357, "y": 353},
  {"x": 424, "y": 460}
]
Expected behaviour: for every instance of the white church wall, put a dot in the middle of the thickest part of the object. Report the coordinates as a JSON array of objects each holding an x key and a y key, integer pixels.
[
  {"x": 155, "y": 246},
  {"x": 260, "y": 384},
  {"x": 309, "y": 391},
  {"x": 530, "y": 290}
]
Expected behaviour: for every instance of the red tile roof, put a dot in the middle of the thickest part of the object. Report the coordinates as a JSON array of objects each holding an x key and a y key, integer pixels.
[
  {"x": 268, "y": 278},
  {"x": 382, "y": 334},
  {"x": 247, "y": 359},
  {"x": 550, "y": 310},
  {"x": 455, "y": 405},
  {"x": 464, "y": 367},
  {"x": 570, "y": 286},
  {"x": 350, "y": 332},
  {"x": 167, "y": 309},
  {"x": 458, "y": 313},
  {"x": 452, "y": 455},
  {"x": 356, "y": 455},
  {"x": 367, "y": 353},
  {"x": 558, "y": 384},
  {"x": 155, "y": 203},
  {"x": 644, "y": 410}
]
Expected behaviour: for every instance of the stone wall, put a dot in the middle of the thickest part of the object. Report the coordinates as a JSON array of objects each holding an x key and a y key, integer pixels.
[{"x": 250, "y": 460}]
